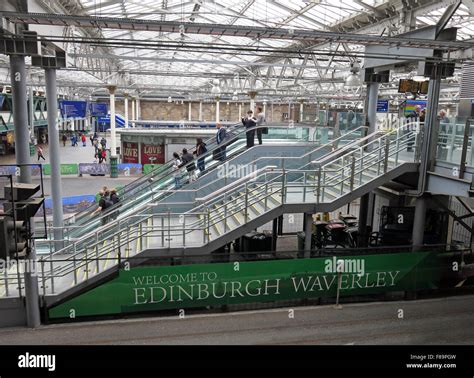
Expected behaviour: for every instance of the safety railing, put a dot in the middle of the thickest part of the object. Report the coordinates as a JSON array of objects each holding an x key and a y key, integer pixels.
[
  {"x": 270, "y": 188},
  {"x": 162, "y": 191}
]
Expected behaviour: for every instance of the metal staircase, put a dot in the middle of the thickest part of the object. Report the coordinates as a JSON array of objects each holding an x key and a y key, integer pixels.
[
  {"x": 320, "y": 185},
  {"x": 158, "y": 186}
]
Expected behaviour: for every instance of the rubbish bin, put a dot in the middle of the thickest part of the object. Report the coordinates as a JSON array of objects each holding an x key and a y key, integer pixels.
[
  {"x": 256, "y": 242},
  {"x": 113, "y": 167}
]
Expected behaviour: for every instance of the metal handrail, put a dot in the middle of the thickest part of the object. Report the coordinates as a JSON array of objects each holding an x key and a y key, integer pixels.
[
  {"x": 371, "y": 158},
  {"x": 109, "y": 213}
]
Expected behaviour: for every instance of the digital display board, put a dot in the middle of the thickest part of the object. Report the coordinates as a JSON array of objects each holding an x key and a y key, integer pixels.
[
  {"x": 411, "y": 105},
  {"x": 99, "y": 109},
  {"x": 73, "y": 109}
]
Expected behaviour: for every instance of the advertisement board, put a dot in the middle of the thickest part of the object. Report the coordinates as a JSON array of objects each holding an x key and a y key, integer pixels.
[
  {"x": 153, "y": 154},
  {"x": 199, "y": 285},
  {"x": 73, "y": 109},
  {"x": 411, "y": 105},
  {"x": 130, "y": 152}
]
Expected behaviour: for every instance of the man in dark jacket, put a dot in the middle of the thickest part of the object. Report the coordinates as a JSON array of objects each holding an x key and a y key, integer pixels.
[
  {"x": 250, "y": 122},
  {"x": 220, "y": 153},
  {"x": 187, "y": 159}
]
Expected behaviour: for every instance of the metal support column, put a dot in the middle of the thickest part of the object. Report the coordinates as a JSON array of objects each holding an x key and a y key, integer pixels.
[
  {"x": 200, "y": 110},
  {"x": 218, "y": 117},
  {"x": 363, "y": 215},
  {"x": 274, "y": 234},
  {"x": 20, "y": 115},
  {"x": 301, "y": 111},
  {"x": 22, "y": 152},
  {"x": 419, "y": 223},
  {"x": 55, "y": 160},
  {"x": 133, "y": 111},
  {"x": 139, "y": 109},
  {"x": 372, "y": 106},
  {"x": 308, "y": 219},
  {"x": 280, "y": 225},
  {"x": 113, "y": 141},
  {"x": 430, "y": 130},
  {"x": 125, "y": 109},
  {"x": 190, "y": 114}
]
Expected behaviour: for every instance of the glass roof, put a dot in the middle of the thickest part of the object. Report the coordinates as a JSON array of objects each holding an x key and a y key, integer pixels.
[{"x": 171, "y": 62}]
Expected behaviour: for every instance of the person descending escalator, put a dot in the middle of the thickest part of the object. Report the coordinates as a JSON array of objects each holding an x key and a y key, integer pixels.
[
  {"x": 250, "y": 122},
  {"x": 200, "y": 150},
  {"x": 220, "y": 153},
  {"x": 187, "y": 160},
  {"x": 115, "y": 199},
  {"x": 104, "y": 204},
  {"x": 176, "y": 171},
  {"x": 261, "y": 121}
]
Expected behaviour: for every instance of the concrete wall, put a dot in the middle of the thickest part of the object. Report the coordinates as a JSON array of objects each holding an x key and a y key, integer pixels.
[
  {"x": 162, "y": 110},
  {"x": 12, "y": 312}
]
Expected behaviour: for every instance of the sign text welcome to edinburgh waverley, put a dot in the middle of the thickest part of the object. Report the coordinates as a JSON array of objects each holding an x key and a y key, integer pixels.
[{"x": 185, "y": 286}]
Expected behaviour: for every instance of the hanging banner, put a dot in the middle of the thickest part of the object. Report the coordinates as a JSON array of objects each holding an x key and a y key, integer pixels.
[
  {"x": 199, "y": 285},
  {"x": 153, "y": 154},
  {"x": 130, "y": 152}
]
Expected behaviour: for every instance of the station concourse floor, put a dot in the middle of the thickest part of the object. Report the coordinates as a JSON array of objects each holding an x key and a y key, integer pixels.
[{"x": 73, "y": 185}]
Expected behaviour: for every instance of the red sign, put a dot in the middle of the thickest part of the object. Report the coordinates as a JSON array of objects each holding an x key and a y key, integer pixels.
[
  {"x": 153, "y": 154},
  {"x": 130, "y": 152}
]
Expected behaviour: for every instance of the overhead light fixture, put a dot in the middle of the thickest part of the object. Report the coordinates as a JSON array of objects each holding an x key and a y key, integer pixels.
[
  {"x": 170, "y": 99},
  {"x": 353, "y": 80}
]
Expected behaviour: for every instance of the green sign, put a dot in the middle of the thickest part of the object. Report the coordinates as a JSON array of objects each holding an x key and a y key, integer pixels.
[
  {"x": 185, "y": 286},
  {"x": 66, "y": 169},
  {"x": 147, "y": 168}
]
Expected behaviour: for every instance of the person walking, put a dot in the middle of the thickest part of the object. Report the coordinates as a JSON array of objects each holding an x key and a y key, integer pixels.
[
  {"x": 91, "y": 138},
  {"x": 250, "y": 122},
  {"x": 220, "y": 153},
  {"x": 104, "y": 155},
  {"x": 104, "y": 204},
  {"x": 200, "y": 150},
  {"x": 187, "y": 160},
  {"x": 84, "y": 140},
  {"x": 103, "y": 143},
  {"x": 64, "y": 139},
  {"x": 39, "y": 152},
  {"x": 260, "y": 121},
  {"x": 176, "y": 171}
]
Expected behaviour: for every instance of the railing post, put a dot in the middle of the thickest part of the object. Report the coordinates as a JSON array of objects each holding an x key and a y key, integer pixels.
[
  {"x": 385, "y": 161},
  {"x": 51, "y": 268},
  {"x": 169, "y": 229},
  {"x": 361, "y": 164},
  {"x": 342, "y": 175},
  {"x": 119, "y": 247},
  {"x": 74, "y": 269},
  {"x": 42, "y": 277},
  {"x": 74, "y": 249},
  {"x": 283, "y": 185},
  {"x": 97, "y": 250},
  {"x": 246, "y": 213},
  {"x": 304, "y": 186},
  {"x": 318, "y": 187},
  {"x": 184, "y": 230},
  {"x": 162, "y": 231},
  {"x": 208, "y": 226},
  {"x": 87, "y": 263},
  {"x": 380, "y": 157},
  {"x": 266, "y": 197},
  {"x": 225, "y": 214},
  {"x": 397, "y": 146},
  {"x": 5, "y": 273},
  {"x": 352, "y": 172}
]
